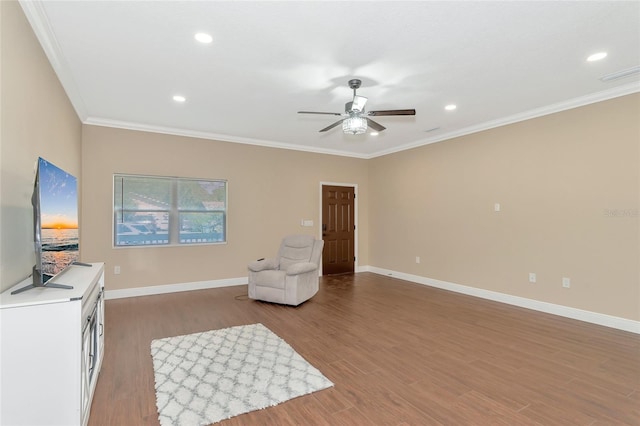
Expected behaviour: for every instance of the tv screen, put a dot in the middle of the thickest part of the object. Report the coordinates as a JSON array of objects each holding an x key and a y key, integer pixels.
[
  {"x": 55, "y": 220},
  {"x": 57, "y": 211}
]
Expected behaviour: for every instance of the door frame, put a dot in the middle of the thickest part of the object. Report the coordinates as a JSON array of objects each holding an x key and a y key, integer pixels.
[{"x": 355, "y": 218}]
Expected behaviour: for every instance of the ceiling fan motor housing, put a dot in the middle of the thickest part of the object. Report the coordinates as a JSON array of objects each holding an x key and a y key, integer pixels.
[{"x": 355, "y": 83}]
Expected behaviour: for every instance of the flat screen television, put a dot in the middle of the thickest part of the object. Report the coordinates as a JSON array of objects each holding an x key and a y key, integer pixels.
[{"x": 55, "y": 224}]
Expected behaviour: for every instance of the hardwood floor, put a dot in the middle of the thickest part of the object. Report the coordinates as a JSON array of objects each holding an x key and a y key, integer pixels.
[{"x": 399, "y": 354}]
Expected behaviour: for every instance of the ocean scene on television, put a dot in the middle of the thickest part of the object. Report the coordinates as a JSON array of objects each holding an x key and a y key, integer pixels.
[{"x": 58, "y": 217}]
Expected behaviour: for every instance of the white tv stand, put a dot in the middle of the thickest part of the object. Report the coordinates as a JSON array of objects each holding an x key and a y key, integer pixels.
[{"x": 51, "y": 349}]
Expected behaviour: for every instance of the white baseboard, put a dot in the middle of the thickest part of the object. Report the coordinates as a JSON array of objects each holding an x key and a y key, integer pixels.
[
  {"x": 172, "y": 288},
  {"x": 550, "y": 308}
]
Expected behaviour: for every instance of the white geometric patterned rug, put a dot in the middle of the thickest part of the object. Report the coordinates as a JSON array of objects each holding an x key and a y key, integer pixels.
[{"x": 203, "y": 378}]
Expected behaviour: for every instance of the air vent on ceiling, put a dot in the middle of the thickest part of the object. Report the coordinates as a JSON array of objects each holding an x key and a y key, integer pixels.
[{"x": 621, "y": 74}]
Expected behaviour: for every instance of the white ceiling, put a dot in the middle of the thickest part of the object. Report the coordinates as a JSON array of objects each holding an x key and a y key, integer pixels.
[{"x": 500, "y": 62}]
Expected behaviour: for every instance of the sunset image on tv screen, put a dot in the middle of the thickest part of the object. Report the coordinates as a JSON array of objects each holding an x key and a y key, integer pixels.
[{"x": 58, "y": 217}]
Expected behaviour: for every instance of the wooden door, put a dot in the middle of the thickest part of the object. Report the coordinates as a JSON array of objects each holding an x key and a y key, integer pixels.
[{"x": 338, "y": 229}]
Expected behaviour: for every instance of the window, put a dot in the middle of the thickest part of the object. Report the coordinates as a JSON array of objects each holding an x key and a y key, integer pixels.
[{"x": 150, "y": 210}]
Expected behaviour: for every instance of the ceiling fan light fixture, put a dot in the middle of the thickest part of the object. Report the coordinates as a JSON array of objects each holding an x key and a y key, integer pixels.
[{"x": 354, "y": 125}]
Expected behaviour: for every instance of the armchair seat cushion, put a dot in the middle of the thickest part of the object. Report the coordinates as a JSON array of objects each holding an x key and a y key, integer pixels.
[{"x": 290, "y": 278}]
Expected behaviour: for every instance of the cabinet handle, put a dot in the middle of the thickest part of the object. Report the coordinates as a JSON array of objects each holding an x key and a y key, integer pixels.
[{"x": 101, "y": 330}]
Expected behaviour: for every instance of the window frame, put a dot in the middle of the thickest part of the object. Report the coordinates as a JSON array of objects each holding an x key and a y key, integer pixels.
[{"x": 173, "y": 212}]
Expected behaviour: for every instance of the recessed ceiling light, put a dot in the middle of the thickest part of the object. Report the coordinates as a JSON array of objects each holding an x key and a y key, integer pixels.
[
  {"x": 597, "y": 56},
  {"x": 179, "y": 98},
  {"x": 203, "y": 38},
  {"x": 450, "y": 107},
  {"x": 374, "y": 133}
]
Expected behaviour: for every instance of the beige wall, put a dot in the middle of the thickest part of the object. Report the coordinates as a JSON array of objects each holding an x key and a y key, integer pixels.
[
  {"x": 37, "y": 120},
  {"x": 270, "y": 191},
  {"x": 568, "y": 184},
  {"x": 560, "y": 179}
]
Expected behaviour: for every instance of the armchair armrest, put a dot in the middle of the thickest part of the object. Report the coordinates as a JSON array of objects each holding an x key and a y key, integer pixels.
[
  {"x": 301, "y": 268},
  {"x": 261, "y": 265}
]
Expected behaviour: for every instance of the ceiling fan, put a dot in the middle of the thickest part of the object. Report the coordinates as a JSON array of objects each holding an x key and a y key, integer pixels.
[{"x": 355, "y": 119}]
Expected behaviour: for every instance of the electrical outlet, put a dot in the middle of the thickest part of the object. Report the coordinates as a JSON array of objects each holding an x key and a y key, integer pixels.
[
  {"x": 116, "y": 270},
  {"x": 532, "y": 277},
  {"x": 566, "y": 282},
  {"x": 417, "y": 259}
]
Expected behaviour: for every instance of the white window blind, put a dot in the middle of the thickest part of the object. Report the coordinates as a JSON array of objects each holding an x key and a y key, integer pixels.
[{"x": 153, "y": 210}]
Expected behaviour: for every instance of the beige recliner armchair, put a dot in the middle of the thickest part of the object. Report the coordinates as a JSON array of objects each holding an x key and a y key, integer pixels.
[{"x": 291, "y": 277}]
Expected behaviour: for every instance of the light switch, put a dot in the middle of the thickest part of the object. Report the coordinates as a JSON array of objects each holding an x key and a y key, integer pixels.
[{"x": 496, "y": 207}]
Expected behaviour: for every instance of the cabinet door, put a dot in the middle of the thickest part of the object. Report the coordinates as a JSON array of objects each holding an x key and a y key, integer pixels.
[
  {"x": 85, "y": 369},
  {"x": 100, "y": 350}
]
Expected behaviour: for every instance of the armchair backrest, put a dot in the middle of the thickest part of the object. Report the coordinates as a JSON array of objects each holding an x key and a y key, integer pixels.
[{"x": 299, "y": 248}]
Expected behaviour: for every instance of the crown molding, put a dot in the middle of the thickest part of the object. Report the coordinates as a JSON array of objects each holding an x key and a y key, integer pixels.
[
  {"x": 527, "y": 115},
  {"x": 37, "y": 17},
  {"x": 604, "y": 95},
  {"x": 96, "y": 121}
]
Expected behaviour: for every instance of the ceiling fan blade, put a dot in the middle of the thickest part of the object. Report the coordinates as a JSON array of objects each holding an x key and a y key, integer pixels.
[
  {"x": 358, "y": 103},
  {"x": 316, "y": 112},
  {"x": 332, "y": 126},
  {"x": 393, "y": 112},
  {"x": 376, "y": 126}
]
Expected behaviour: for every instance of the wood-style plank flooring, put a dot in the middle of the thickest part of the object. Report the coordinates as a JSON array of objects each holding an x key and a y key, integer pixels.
[{"x": 399, "y": 354}]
